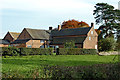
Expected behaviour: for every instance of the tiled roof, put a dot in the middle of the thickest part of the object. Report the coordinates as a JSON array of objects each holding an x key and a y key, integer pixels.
[
  {"x": 4, "y": 41},
  {"x": 39, "y": 34},
  {"x": 14, "y": 34},
  {"x": 75, "y": 31},
  {"x": 20, "y": 41}
]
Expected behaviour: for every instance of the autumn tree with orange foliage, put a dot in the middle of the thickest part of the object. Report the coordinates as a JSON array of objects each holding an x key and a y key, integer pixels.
[{"x": 73, "y": 24}]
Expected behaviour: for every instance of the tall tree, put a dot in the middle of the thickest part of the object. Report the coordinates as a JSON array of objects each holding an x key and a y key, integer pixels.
[{"x": 108, "y": 17}]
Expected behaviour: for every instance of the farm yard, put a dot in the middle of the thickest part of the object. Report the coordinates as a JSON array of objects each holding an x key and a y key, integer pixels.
[{"x": 33, "y": 66}]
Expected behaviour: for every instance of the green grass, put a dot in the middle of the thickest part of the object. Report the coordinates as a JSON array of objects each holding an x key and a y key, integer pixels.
[{"x": 25, "y": 64}]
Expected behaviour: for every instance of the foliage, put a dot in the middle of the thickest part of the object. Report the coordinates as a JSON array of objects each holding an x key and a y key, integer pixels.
[
  {"x": 70, "y": 44},
  {"x": 13, "y": 51},
  {"x": 107, "y": 44},
  {"x": 73, "y": 24},
  {"x": 108, "y": 17},
  {"x": 102, "y": 71},
  {"x": 32, "y": 66},
  {"x": 76, "y": 51},
  {"x": 10, "y": 51},
  {"x": 118, "y": 43}
]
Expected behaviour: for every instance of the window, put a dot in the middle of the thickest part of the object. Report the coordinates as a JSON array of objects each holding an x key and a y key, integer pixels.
[
  {"x": 56, "y": 46},
  {"x": 42, "y": 46},
  {"x": 41, "y": 41},
  {"x": 91, "y": 32},
  {"x": 29, "y": 46},
  {"x": 89, "y": 38},
  {"x": 95, "y": 46}
]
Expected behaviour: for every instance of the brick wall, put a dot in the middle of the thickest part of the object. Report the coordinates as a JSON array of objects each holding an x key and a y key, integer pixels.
[
  {"x": 3, "y": 45},
  {"x": 92, "y": 43},
  {"x": 24, "y": 35},
  {"x": 8, "y": 37}
]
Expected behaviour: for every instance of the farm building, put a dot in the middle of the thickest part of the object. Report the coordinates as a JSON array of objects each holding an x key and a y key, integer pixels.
[
  {"x": 84, "y": 37},
  {"x": 11, "y": 36},
  {"x": 4, "y": 43},
  {"x": 32, "y": 38}
]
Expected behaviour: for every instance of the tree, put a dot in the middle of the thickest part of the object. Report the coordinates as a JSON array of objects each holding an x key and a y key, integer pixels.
[
  {"x": 70, "y": 44},
  {"x": 73, "y": 24},
  {"x": 106, "y": 44},
  {"x": 108, "y": 17}
]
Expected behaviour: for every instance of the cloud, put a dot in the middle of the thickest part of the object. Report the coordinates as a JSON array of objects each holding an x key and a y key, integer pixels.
[{"x": 52, "y": 5}]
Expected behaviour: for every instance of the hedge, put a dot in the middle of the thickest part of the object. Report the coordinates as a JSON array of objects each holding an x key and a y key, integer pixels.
[
  {"x": 36, "y": 51},
  {"x": 10, "y": 51},
  {"x": 92, "y": 72},
  {"x": 76, "y": 51},
  {"x": 13, "y": 51}
]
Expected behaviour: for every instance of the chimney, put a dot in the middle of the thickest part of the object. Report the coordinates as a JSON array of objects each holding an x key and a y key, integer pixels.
[
  {"x": 92, "y": 24},
  {"x": 50, "y": 28},
  {"x": 59, "y": 27}
]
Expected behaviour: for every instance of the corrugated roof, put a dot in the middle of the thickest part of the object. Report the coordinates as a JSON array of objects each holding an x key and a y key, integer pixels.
[
  {"x": 4, "y": 41},
  {"x": 20, "y": 41},
  {"x": 39, "y": 34},
  {"x": 75, "y": 31},
  {"x": 68, "y": 39},
  {"x": 14, "y": 34}
]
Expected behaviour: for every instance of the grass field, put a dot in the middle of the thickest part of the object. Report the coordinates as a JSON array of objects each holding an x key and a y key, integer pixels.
[{"x": 23, "y": 65}]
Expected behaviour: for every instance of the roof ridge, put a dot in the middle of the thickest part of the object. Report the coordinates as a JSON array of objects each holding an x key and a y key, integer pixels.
[{"x": 36, "y": 29}]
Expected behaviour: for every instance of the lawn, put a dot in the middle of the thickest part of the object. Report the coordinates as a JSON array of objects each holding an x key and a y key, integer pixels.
[{"x": 25, "y": 64}]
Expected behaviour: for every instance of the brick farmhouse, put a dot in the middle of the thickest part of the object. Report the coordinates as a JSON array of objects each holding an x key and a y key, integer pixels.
[
  {"x": 32, "y": 38},
  {"x": 84, "y": 37},
  {"x": 9, "y": 37}
]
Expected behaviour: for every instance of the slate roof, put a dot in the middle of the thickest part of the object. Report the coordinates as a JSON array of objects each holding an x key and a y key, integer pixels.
[
  {"x": 68, "y": 39},
  {"x": 63, "y": 33},
  {"x": 14, "y": 34},
  {"x": 39, "y": 34},
  {"x": 75, "y": 31},
  {"x": 20, "y": 41},
  {"x": 4, "y": 41}
]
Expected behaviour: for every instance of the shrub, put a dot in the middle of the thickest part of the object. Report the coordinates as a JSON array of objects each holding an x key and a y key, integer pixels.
[
  {"x": 76, "y": 51},
  {"x": 107, "y": 44},
  {"x": 98, "y": 71},
  {"x": 13, "y": 51},
  {"x": 70, "y": 44},
  {"x": 10, "y": 51}
]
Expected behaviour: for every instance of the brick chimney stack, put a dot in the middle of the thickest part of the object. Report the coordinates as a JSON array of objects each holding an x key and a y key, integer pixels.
[
  {"x": 92, "y": 24},
  {"x": 50, "y": 28}
]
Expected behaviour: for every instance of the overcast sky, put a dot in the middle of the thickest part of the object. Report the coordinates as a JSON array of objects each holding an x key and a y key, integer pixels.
[{"x": 40, "y": 14}]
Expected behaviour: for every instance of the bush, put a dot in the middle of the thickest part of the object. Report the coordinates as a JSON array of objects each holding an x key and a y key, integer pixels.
[
  {"x": 70, "y": 44},
  {"x": 13, "y": 51},
  {"x": 98, "y": 71},
  {"x": 36, "y": 51},
  {"x": 10, "y": 51},
  {"x": 107, "y": 44},
  {"x": 76, "y": 51}
]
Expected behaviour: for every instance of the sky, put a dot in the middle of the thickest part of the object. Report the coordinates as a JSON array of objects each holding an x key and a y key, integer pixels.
[{"x": 15, "y": 15}]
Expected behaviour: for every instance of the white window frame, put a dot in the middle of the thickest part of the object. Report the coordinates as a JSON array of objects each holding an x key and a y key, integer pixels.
[
  {"x": 42, "y": 46},
  {"x": 91, "y": 32},
  {"x": 41, "y": 41},
  {"x": 89, "y": 38},
  {"x": 29, "y": 46},
  {"x": 95, "y": 46}
]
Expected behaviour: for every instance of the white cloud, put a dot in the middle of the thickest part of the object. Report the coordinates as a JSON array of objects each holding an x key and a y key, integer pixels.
[{"x": 53, "y": 5}]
